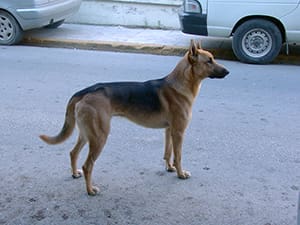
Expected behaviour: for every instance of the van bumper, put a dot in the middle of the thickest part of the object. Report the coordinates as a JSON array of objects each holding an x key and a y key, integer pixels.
[{"x": 192, "y": 23}]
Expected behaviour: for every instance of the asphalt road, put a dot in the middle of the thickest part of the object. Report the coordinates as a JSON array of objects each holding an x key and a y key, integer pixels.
[{"x": 242, "y": 146}]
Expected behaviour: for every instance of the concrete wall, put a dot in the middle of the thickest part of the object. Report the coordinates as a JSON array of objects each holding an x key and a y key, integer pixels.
[{"x": 136, "y": 13}]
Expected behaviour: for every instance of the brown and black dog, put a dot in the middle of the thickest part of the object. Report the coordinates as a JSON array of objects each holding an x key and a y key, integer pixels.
[{"x": 163, "y": 103}]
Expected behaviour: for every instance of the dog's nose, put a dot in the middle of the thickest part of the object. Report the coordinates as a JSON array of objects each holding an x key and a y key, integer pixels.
[{"x": 226, "y": 72}]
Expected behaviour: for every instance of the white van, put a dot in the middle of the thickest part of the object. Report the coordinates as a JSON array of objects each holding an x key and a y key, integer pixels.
[{"x": 259, "y": 27}]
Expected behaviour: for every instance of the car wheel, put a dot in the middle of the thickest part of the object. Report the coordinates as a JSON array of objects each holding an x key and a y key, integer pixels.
[
  {"x": 10, "y": 30},
  {"x": 55, "y": 25},
  {"x": 257, "y": 41}
]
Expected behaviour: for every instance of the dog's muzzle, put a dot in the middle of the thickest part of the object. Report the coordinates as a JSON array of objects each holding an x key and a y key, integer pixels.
[{"x": 219, "y": 74}]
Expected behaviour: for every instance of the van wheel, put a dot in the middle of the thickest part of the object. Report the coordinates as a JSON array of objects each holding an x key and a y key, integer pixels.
[
  {"x": 257, "y": 41},
  {"x": 10, "y": 31}
]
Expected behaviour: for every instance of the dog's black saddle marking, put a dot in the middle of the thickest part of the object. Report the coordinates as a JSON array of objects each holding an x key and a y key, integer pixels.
[{"x": 142, "y": 95}]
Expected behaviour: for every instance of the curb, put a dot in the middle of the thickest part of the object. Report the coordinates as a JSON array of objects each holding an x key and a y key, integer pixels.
[
  {"x": 156, "y": 49},
  {"x": 107, "y": 46}
]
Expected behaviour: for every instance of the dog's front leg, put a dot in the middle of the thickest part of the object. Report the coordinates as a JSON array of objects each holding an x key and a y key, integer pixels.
[{"x": 177, "y": 139}]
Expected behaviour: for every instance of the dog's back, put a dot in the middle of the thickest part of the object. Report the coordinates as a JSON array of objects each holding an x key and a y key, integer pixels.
[{"x": 140, "y": 96}]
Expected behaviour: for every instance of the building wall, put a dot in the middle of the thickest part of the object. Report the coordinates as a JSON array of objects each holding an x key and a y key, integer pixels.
[{"x": 136, "y": 13}]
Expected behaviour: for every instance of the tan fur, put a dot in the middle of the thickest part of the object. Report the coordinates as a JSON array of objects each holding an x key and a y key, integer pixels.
[{"x": 93, "y": 111}]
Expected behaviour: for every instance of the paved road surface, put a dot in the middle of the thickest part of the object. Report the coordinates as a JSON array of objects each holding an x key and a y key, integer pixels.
[{"x": 242, "y": 146}]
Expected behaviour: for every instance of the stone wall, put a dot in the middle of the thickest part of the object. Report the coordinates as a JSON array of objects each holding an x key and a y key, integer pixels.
[{"x": 133, "y": 13}]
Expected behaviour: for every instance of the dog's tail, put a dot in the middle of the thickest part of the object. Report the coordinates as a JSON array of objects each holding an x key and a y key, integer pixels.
[{"x": 68, "y": 126}]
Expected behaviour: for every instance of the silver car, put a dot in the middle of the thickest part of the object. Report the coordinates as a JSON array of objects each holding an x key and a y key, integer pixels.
[{"x": 16, "y": 16}]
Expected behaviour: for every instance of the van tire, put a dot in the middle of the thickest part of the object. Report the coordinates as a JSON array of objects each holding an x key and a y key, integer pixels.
[
  {"x": 257, "y": 41},
  {"x": 10, "y": 31}
]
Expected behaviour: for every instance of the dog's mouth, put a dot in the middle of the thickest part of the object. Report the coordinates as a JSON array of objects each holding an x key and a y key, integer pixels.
[{"x": 219, "y": 75}]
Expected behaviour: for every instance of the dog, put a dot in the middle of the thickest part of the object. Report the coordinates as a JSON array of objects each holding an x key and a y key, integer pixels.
[{"x": 161, "y": 103}]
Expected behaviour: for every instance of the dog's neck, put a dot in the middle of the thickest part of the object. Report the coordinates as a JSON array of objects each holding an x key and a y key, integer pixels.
[{"x": 189, "y": 84}]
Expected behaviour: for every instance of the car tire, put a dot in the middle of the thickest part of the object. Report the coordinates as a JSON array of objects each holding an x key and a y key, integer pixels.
[
  {"x": 257, "y": 41},
  {"x": 10, "y": 31},
  {"x": 55, "y": 25}
]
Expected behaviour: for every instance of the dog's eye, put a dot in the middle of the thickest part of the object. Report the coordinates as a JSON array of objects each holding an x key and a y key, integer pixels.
[{"x": 210, "y": 61}]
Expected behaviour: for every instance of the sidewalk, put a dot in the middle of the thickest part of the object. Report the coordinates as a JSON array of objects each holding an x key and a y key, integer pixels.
[{"x": 163, "y": 42}]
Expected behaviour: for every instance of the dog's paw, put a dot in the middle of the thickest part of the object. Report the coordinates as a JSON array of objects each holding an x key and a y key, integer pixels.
[
  {"x": 93, "y": 191},
  {"x": 171, "y": 169},
  {"x": 77, "y": 175},
  {"x": 184, "y": 175}
]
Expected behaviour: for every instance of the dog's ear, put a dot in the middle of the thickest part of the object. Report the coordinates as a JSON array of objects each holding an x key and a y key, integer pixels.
[
  {"x": 199, "y": 44},
  {"x": 193, "y": 53}
]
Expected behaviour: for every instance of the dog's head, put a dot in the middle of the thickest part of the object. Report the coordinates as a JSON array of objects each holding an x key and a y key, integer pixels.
[{"x": 203, "y": 63}]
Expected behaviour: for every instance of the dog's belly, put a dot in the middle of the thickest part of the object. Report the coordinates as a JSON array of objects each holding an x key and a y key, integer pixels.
[{"x": 153, "y": 120}]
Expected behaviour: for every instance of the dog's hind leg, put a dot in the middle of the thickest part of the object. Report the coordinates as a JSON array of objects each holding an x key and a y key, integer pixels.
[
  {"x": 168, "y": 151},
  {"x": 95, "y": 150},
  {"x": 94, "y": 124},
  {"x": 74, "y": 156}
]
